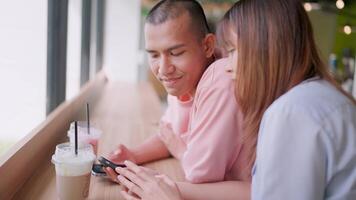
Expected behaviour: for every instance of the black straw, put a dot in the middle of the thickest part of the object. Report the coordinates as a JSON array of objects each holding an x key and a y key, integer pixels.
[
  {"x": 75, "y": 138},
  {"x": 88, "y": 119}
]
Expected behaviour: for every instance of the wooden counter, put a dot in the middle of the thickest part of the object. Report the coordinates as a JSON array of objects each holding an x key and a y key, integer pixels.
[{"x": 127, "y": 114}]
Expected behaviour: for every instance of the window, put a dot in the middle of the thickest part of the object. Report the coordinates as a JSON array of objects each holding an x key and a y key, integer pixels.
[{"x": 23, "y": 46}]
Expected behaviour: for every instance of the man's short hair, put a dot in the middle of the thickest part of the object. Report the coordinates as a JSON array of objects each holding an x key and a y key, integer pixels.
[{"x": 172, "y": 9}]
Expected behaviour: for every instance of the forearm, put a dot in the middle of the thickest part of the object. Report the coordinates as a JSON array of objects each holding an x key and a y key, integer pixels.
[
  {"x": 236, "y": 190},
  {"x": 150, "y": 150}
]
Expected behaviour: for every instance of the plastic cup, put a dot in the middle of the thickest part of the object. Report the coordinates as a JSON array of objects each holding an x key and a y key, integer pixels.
[
  {"x": 73, "y": 171},
  {"x": 83, "y": 136}
]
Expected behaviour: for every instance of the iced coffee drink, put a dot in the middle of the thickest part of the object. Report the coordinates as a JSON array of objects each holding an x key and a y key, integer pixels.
[{"x": 73, "y": 171}]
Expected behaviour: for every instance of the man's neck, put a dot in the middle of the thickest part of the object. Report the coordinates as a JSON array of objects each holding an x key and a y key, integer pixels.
[{"x": 186, "y": 97}]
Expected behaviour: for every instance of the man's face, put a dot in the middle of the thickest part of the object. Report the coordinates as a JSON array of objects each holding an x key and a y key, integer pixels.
[{"x": 176, "y": 56}]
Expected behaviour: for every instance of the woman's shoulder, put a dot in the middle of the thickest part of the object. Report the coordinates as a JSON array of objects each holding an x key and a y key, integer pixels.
[
  {"x": 310, "y": 111},
  {"x": 315, "y": 98}
]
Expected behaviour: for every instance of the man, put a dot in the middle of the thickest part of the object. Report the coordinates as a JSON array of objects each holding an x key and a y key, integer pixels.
[{"x": 180, "y": 49}]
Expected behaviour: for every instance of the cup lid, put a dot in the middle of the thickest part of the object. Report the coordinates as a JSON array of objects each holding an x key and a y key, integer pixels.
[{"x": 65, "y": 154}]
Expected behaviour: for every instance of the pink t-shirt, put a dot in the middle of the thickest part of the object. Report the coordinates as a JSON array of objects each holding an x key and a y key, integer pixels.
[
  {"x": 211, "y": 128},
  {"x": 178, "y": 113}
]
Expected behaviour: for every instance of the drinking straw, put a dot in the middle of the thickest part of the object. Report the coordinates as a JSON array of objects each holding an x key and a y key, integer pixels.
[
  {"x": 76, "y": 138},
  {"x": 88, "y": 119}
]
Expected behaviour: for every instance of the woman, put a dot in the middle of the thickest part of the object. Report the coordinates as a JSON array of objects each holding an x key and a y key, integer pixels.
[{"x": 306, "y": 124}]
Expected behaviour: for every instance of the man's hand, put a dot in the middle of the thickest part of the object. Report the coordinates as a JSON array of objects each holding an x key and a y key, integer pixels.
[
  {"x": 173, "y": 142},
  {"x": 118, "y": 156},
  {"x": 122, "y": 153}
]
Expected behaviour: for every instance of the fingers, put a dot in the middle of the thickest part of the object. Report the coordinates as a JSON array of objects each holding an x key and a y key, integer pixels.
[
  {"x": 139, "y": 171},
  {"x": 120, "y": 154},
  {"x": 116, "y": 153},
  {"x": 119, "y": 150},
  {"x": 166, "y": 179},
  {"x": 130, "y": 176},
  {"x": 128, "y": 196},
  {"x": 132, "y": 166},
  {"x": 150, "y": 171},
  {"x": 111, "y": 173},
  {"x": 130, "y": 185}
]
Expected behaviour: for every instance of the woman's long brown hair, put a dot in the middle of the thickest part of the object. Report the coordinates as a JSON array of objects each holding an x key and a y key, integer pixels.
[{"x": 276, "y": 51}]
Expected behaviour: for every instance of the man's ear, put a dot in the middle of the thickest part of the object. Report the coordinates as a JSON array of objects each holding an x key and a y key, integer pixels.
[{"x": 209, "y": 44}]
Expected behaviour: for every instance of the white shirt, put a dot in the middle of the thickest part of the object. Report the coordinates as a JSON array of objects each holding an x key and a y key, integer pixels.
[{"x": 307, "y": 146}]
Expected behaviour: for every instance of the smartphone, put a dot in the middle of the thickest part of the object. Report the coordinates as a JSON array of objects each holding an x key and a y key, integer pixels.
[
  {"x": 107, "y": 163},
  {"x": 97, "y": 170}
]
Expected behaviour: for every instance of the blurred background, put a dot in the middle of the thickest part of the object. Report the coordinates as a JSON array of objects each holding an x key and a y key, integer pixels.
[{"x": 91, "y": 35}]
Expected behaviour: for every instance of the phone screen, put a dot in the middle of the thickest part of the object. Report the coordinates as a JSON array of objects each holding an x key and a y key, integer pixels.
[{"x": 97, "y": 170}]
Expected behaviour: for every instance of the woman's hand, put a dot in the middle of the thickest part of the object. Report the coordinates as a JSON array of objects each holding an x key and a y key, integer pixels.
[
  {"x": 145, "y": 184},
  {"x": 173, "y": 142}
]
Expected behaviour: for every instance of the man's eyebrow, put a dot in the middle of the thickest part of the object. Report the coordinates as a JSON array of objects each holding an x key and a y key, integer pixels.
[
  {"x": 150, "y": 51},
  {"x": 169, "y": 49},
  {"x": 175, "y": 47}
]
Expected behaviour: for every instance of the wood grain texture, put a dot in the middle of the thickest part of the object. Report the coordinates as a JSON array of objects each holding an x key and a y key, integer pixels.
[{"x": 127, "y": 114}]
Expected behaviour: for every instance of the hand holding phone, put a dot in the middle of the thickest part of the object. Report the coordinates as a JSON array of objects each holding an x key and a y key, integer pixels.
[
  {"x": 107, "y": 163},
  {"x": 97, "y": 169}
]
